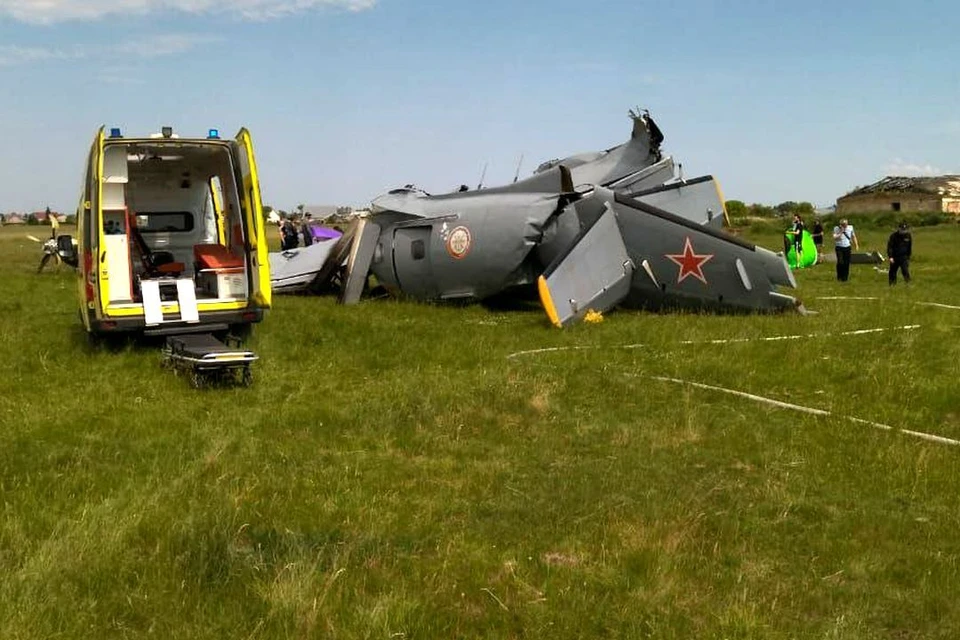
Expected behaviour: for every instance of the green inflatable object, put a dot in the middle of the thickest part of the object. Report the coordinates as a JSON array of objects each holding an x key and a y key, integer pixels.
[{"x": 808, "y": 250}]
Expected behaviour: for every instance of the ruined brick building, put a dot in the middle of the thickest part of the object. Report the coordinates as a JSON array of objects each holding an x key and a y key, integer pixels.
[{"x": 894, "y": 193}]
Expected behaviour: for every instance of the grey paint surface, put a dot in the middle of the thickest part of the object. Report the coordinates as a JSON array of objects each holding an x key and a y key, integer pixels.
[
  {"x": 697, "y": 200},
  {"x": 499, "y": 229},
  {"x": 358, "y": 262},
  {"x": 294, "y": 270},
  {"x": 607, "y": 167},
  {"x": 595, "y": 275},
  {"x": 310, "y": 268}
]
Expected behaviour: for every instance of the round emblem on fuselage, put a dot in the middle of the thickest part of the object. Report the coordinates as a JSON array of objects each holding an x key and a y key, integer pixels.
[{"x": 459, "y": 242}]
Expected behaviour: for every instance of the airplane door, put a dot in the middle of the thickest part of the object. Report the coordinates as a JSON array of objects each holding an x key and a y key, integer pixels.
[{"x": 411, "y": 261}]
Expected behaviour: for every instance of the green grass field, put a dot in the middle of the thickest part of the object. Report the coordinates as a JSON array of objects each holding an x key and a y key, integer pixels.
[{"x": 394, "y": 473}]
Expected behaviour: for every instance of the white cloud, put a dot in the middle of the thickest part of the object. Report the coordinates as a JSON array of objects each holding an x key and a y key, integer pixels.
[
  {"x": 901, "y": 168},
  {"x": 51, "y": 11},
  {"x": 164, "y": 44},
  {"x": 11, "y": 54},
  {"x": 120, "y": 75},
  {"x": 150, "y": 46}
]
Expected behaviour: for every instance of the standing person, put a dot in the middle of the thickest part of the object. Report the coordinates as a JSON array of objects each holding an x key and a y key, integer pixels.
[
  {"x": 797, "y": 232},
  {"x": 844, "y": 237},
  {"x": 899, "y": 250},
  {"x": 794, "y": 236},
  {"x": 817, "y": 236},
  {"x": 288, "y": 233},
  {"x": 306, "y": 231},
  {"x": 54, "y": 223}
]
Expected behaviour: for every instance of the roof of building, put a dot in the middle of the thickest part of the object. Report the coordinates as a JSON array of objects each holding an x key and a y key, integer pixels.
[
  {"x": 948, "y": 185},
  {"x": 320, "y": 211}
]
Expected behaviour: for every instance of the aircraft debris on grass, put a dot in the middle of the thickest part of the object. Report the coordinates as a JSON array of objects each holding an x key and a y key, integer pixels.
[
  {"x": 59, "y": 249},
  {"x": 587, "y": 233}
]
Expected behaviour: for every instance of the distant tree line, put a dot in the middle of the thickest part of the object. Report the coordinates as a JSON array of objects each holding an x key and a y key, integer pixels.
[{"x": 740, "y": 209}]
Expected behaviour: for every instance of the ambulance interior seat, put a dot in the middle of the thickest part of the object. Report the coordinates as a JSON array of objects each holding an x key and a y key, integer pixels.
[
  {"x": 215, "y": 257},
  {"x": 155, "y": 263}
]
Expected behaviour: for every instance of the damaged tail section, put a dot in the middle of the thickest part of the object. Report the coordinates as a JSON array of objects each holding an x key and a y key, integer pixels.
[{"x": 636, "y": 255}]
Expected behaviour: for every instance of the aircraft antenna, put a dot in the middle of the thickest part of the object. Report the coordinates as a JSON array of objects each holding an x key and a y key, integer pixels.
[
  {"x": 516, "y": 176},
  {"x": 483, "y": 175}
]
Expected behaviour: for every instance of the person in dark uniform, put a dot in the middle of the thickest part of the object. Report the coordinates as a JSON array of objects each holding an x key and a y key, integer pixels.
[
  {"x": 817, "y": 236},
  {"x": 899, "y": 250},
  {"x": 288, "y": 233},
  {"x": 305, "y": 230}
]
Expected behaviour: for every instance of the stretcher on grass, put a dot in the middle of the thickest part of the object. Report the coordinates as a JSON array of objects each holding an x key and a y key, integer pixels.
[{"x": 206, "y": 359}]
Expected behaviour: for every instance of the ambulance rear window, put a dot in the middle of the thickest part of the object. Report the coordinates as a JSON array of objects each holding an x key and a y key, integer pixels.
[{"x": 165, "y": 222}]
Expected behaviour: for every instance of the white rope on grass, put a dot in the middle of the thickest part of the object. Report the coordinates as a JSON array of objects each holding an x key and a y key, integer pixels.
[
  {"x": 796, "y": 407},
  {"x": 922, "y": 304},
  {"x": 860, "y": 332},
  {"x": 529, "y": 352},
  {"x": 856, "y": 332},
  {"x": 937, "y": 304},
  {"x": 547, "y": 350}
]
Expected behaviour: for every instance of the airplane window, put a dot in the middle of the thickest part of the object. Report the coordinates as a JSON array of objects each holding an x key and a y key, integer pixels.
[{"x": 418, "y": 250}]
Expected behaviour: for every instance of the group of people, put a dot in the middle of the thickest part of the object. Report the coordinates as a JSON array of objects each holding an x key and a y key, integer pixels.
[
  {"x": 899, "y": 251},
  {"x": 294, "y": 230},
  {"x": 899, "y": 246}
]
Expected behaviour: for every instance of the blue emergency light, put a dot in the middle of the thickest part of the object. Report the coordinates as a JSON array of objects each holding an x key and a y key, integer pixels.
[
  {"x": 115, "y": 132},
  {"x": 214, "y": 134}
]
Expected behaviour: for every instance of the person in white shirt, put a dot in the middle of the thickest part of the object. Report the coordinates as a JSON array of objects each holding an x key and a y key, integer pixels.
[{"x": 844, "y": 238}]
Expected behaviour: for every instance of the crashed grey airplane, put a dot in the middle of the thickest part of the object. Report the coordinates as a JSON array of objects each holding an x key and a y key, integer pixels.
[{"x": 590, "y": 232}]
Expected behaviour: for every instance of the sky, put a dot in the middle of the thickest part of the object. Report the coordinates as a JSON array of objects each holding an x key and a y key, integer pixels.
[{"x": 346, "y": 99}]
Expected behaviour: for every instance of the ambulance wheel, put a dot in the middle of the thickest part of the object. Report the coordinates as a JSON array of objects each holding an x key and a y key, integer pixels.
[
  {"x": 196, "y": 379},
  {"x": 246, "y": 378}
]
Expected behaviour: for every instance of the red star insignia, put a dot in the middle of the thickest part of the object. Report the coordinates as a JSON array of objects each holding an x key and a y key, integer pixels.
[{"x": 690, "y": 263}]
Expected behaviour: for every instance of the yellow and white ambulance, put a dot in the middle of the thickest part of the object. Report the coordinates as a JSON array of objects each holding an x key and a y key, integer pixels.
[{"x": 171, "y": 235}]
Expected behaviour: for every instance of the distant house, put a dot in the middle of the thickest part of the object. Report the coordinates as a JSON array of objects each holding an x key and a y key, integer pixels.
[
  {"x": 41, "y": 216},
  {"x": 320, "y": 211},
  {"x": 14, "y": 218},
  {"x": 896, "y": 193}
]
